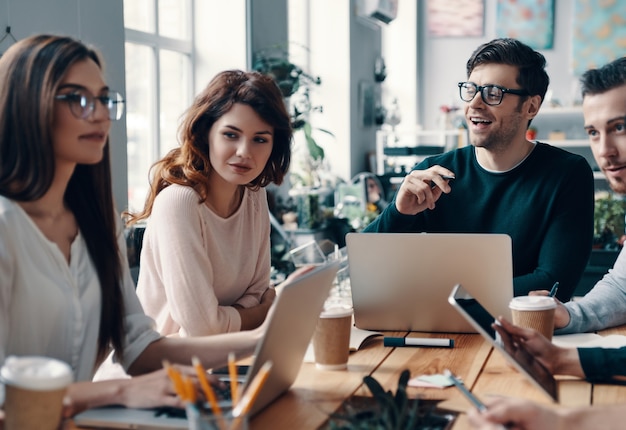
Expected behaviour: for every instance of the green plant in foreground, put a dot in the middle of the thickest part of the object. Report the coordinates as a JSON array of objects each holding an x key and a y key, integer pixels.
[{"x": 389, "y": 411}]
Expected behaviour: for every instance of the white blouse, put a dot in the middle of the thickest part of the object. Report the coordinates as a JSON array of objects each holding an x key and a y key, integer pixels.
[{"x": 50, "y": 308}]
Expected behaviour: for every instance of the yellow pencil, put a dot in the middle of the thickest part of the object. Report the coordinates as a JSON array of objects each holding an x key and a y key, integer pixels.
[
  {"x": 253, "y": 390},
  {"x": 176, "y": 379},
  {"x": 190, "y": 390},
  {"x": 232, "y": 370},
  {"x": 206, "y": 387}
]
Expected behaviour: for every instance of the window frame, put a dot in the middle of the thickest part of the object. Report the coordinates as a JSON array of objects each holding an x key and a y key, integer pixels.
[{"x": 157, "y": 43}]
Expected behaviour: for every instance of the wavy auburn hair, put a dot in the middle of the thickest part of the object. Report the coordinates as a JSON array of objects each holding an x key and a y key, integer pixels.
[{"x": 189, "y": 164}]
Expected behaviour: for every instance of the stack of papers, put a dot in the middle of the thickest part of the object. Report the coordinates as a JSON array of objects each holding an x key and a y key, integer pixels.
[
  {"x": 589, "y": 340},
  {"x": 430, "y": 381}
]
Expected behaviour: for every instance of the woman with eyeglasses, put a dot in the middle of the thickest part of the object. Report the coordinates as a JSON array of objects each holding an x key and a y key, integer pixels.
[
  {"x": 65, "y": 286},
  {"x": 205, "y": 259}
]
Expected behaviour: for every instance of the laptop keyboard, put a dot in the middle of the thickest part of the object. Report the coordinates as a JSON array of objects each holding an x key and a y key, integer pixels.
[
  {"x": 223, "y": 393},
  {"x": 224, "y": 399},
  {"x": 170, "y": 412}
]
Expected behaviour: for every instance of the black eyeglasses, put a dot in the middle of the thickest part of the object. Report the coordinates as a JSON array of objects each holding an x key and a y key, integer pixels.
[
  {"x": 491, "y": 94},
  {"x": 83, "y": 103}
]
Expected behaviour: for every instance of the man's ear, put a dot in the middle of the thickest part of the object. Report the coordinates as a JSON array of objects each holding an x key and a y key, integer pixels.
[{"x": 533, "y": 104}]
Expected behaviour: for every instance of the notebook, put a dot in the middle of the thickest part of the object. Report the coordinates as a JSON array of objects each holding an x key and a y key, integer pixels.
[
  {"x": 473, "y": 311},
  {"x": 401, "y": 281},
  {"x": 291, "y": 323}
]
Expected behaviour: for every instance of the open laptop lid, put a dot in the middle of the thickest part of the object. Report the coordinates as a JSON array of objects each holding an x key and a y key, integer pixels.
[
  {"x": 291, "y": 324},
  {"x": 401, "y": 281},
  {"x": 472, "y": 310},
  {"x": 290, "y": 327}
]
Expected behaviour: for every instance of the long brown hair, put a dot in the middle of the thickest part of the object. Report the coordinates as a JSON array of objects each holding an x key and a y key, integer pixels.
[
  {"x": 30, "y": 73},
  {"x": 190, "y": 165}
]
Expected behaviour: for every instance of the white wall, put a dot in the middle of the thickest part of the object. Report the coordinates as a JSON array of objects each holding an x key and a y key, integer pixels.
[
  {"x": 96, "y": 22},
  {"x": 221, "y": 39},
  {"x": 343, "y": 53},
  {"x": 400, "y": 51}
]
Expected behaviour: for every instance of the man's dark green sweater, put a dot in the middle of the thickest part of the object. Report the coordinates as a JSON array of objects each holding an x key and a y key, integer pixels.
[{"x": 545, "y": 204}]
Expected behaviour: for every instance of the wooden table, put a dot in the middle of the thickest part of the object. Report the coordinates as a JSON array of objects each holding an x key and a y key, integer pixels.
[{"x": 316, "y": 393}]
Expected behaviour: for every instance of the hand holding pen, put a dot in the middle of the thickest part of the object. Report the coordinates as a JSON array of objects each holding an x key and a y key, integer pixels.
[
  {"x": 561, "y": 315},
  {"x": 554, "y": 289},
  {"x": 421, "y": 189}
]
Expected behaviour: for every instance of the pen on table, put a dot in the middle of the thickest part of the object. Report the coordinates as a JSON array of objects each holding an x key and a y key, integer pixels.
[
  {"x": 232, "y": 370},
  {"x": 554, "y": 289},
  {"x": 418, "y": 341},
  {"x": 206, "y": 387},
  {"x": 253, "y": 390}
]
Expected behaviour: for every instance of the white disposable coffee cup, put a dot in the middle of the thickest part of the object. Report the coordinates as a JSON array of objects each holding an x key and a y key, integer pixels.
[
  {"x": 331, "y": 340},
  {"x": 34, "y": 391},
  {"x": 535, "y": 312}
]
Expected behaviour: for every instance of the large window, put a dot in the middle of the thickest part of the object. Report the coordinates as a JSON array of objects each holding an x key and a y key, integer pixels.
[{"x": 159, "y": 77}]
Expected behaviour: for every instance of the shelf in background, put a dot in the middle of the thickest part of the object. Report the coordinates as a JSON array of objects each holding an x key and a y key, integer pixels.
[
  {"x": 598, "y": 175},
  {"x": 566, "y": 110},
  {"x": 568, "y": 143},
  {"x": 401, "y": 151}
]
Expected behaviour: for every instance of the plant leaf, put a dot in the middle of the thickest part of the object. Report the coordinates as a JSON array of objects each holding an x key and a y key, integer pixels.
[
  {"x": 316, "y": 151},
  {"x": 374, "y": 386}
]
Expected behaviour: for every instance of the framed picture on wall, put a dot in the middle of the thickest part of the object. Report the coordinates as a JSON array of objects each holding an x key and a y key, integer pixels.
[
  {"x": 529, "y": 21},
  {"x": 455, "y": 18},
  {"x": 599, "y": 35}
]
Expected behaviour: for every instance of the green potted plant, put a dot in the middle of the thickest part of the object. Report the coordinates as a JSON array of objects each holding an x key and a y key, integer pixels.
[
  {"x": 608, "y": 221},
  {"x": 295, "y": 85},
  {"x": 388, "y": 411},
  {"x": 275, "y": 62},
  {"x": 308, "y": 162}
]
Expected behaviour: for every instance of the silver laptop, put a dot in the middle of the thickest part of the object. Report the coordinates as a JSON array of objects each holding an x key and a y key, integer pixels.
[
  {"x": 290, "y": 327},
  {"x": 401, "y": 281},
  {"x": 473, "y": 311}
]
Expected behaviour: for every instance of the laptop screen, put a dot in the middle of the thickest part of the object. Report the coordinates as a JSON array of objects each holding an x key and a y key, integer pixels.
[{"x": 523, "y": 360}]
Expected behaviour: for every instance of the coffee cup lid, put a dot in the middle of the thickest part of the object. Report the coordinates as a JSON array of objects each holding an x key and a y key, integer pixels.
[
  {"x": 336, "y": 312},
  {"x": 36, "y": 373},
  {"x": 532, "y": 303}
]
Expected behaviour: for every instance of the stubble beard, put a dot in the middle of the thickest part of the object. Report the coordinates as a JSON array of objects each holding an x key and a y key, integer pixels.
[
  {"x": 496, "y": 141},
  {"x": 500, "y": 139}
]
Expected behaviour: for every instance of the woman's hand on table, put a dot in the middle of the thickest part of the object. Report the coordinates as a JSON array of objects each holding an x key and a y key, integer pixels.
[
  {"x": 151, "y": 390},
  {"x": 254, "y": 316}
]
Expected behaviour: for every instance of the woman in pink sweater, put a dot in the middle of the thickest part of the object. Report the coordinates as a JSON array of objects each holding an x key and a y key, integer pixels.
[{"x": 205, "y": 260}]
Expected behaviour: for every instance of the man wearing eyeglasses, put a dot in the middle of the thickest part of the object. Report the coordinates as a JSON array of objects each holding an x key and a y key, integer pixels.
[{"x": 540, "y": 195}]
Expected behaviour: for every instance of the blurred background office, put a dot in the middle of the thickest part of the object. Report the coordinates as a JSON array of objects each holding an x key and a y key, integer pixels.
[{"x": 374, "y": 77}]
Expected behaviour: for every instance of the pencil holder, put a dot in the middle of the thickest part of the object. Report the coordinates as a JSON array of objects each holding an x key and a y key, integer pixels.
[{"x": 203, "y": 418}]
